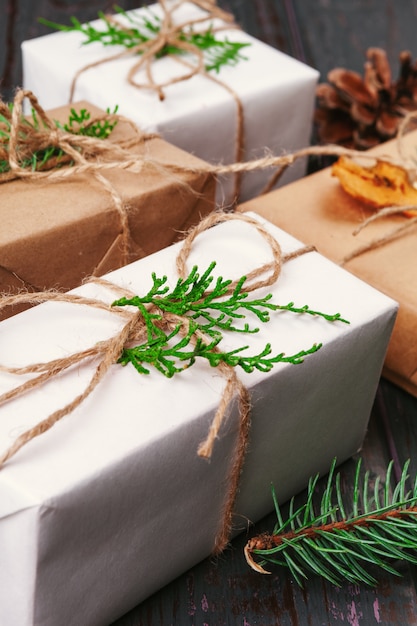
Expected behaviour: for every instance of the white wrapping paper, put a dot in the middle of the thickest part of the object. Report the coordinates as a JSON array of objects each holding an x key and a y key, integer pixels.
[
  {"x": 113, "y": 502},
  {"x": 198, "y": 115}
]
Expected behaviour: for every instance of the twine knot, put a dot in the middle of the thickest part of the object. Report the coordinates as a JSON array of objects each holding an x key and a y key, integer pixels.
[
  {"x": 82, "y": 153},
  {"x": 169, "y": 36},
  {"x": 108, "y": 352},
  {"x": 169, "y": 40}
]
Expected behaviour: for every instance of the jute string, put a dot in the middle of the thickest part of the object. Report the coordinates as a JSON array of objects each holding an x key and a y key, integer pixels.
[
  {"x": 133, "y": 329},
  {"x": 87, "y": 154},
  {"x": 25, "y": 140},
  {"x": 410, "y": 166},
  {"x": 171, "y": 34},
  {"x": 282, "y": 162},
  {"x": 95, "y": 157}
]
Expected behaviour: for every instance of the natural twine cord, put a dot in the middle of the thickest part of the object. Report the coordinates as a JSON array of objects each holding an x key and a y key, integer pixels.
[
  {"x": 84, "y": 151},
  {"x": 106, "y": 353},
  {"x": 88, "y": 154},
  {"x": 171, "y": 34},
  {"x": 234, "y": 387},
  {"x": 96, "y": 156},
  {"x": 25, "y": 140},
  {"x": 128, "y": 162},
  {"x": 123, "y": 160},
  {"x": 410, "y": 166},
  {"x": 393, "y": 234}
]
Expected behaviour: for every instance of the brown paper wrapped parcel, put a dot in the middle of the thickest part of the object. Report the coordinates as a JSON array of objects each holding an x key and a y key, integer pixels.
[
  {"x": 55, "y": 234},
  {"x": 317, "y": 211}
]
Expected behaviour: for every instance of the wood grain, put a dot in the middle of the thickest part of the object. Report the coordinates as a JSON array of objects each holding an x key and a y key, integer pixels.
[{"x": 21, "y": 23}]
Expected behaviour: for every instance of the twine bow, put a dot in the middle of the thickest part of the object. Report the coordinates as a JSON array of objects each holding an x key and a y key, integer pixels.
[
  {"x": 169, "y": 35},
  {"x": 107, "y": 353},
  {"x": 84, "y": 154},
  {"x": 25, "y": 140}
]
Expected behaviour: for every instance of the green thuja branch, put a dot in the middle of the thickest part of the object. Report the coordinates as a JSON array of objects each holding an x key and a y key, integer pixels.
[
  {"x": 202, "y": 315},
  {"x": 144, "y": 26},
  {"x": 79, "y": 123},
  {"x": 337, "y": 544}
]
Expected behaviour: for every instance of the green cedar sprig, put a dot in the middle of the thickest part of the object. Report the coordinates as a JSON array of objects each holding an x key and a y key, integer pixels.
[
  {"x": 144, "y": 26},
  {"x": 78, "y": 124},
  {"x": 207, "y": 314},
  {"x": 329, "y": 541}
]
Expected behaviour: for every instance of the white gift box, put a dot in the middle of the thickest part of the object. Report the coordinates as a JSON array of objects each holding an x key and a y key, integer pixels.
[
  {"x": 277, "y": 93},
  {"x": 113, "y": 502}
]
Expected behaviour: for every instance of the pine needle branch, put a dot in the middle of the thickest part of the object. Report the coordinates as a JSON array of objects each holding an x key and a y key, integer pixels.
[
  {"x": 201, "y": 316},
  {"x": 144, "y": 26},
  {"x": 327, "y": 541}
]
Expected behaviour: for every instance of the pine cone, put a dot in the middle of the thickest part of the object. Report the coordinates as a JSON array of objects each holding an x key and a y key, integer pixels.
[{"x": 362, "y": 111}]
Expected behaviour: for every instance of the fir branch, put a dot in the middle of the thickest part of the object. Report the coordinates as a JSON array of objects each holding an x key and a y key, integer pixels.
[
  {"x": 144, "y": 26},
  {"x": 79, "y": 123},
  {"x": 327, "y": 541},
  {"x": 204, "y": 314}
]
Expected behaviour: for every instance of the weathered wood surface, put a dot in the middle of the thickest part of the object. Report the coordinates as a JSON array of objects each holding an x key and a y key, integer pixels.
[{"x": 324, "y": 34}]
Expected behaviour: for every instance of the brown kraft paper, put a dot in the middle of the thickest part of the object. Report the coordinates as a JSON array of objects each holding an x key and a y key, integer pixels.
[
  {"x": 317, "y": 211},
  {"x": 55, "y": 234}
]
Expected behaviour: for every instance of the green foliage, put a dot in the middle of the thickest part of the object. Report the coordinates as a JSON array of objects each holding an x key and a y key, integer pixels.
[
  {"x": 78, "y": 124},
  {"x": 204, "y": 315},
  {"x": 144, "y": 26},
  {"x": 335, "y": 544}
]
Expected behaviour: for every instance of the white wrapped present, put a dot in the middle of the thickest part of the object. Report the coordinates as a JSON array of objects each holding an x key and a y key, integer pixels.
[
  {"x": 113, "y": 501},
  {"x": 199, "y": 115}
]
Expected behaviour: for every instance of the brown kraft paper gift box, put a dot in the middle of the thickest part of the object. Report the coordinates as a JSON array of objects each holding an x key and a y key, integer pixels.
[
  {"x": 56, "y": 234},
  {"x": 317, "y": 211}
]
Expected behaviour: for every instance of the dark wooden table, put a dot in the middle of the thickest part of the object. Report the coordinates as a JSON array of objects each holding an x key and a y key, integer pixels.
[{"x": 324, "y": 34}]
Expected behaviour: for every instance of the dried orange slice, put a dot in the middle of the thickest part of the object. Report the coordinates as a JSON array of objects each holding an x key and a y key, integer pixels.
[{"x": 379, "y": 185}]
